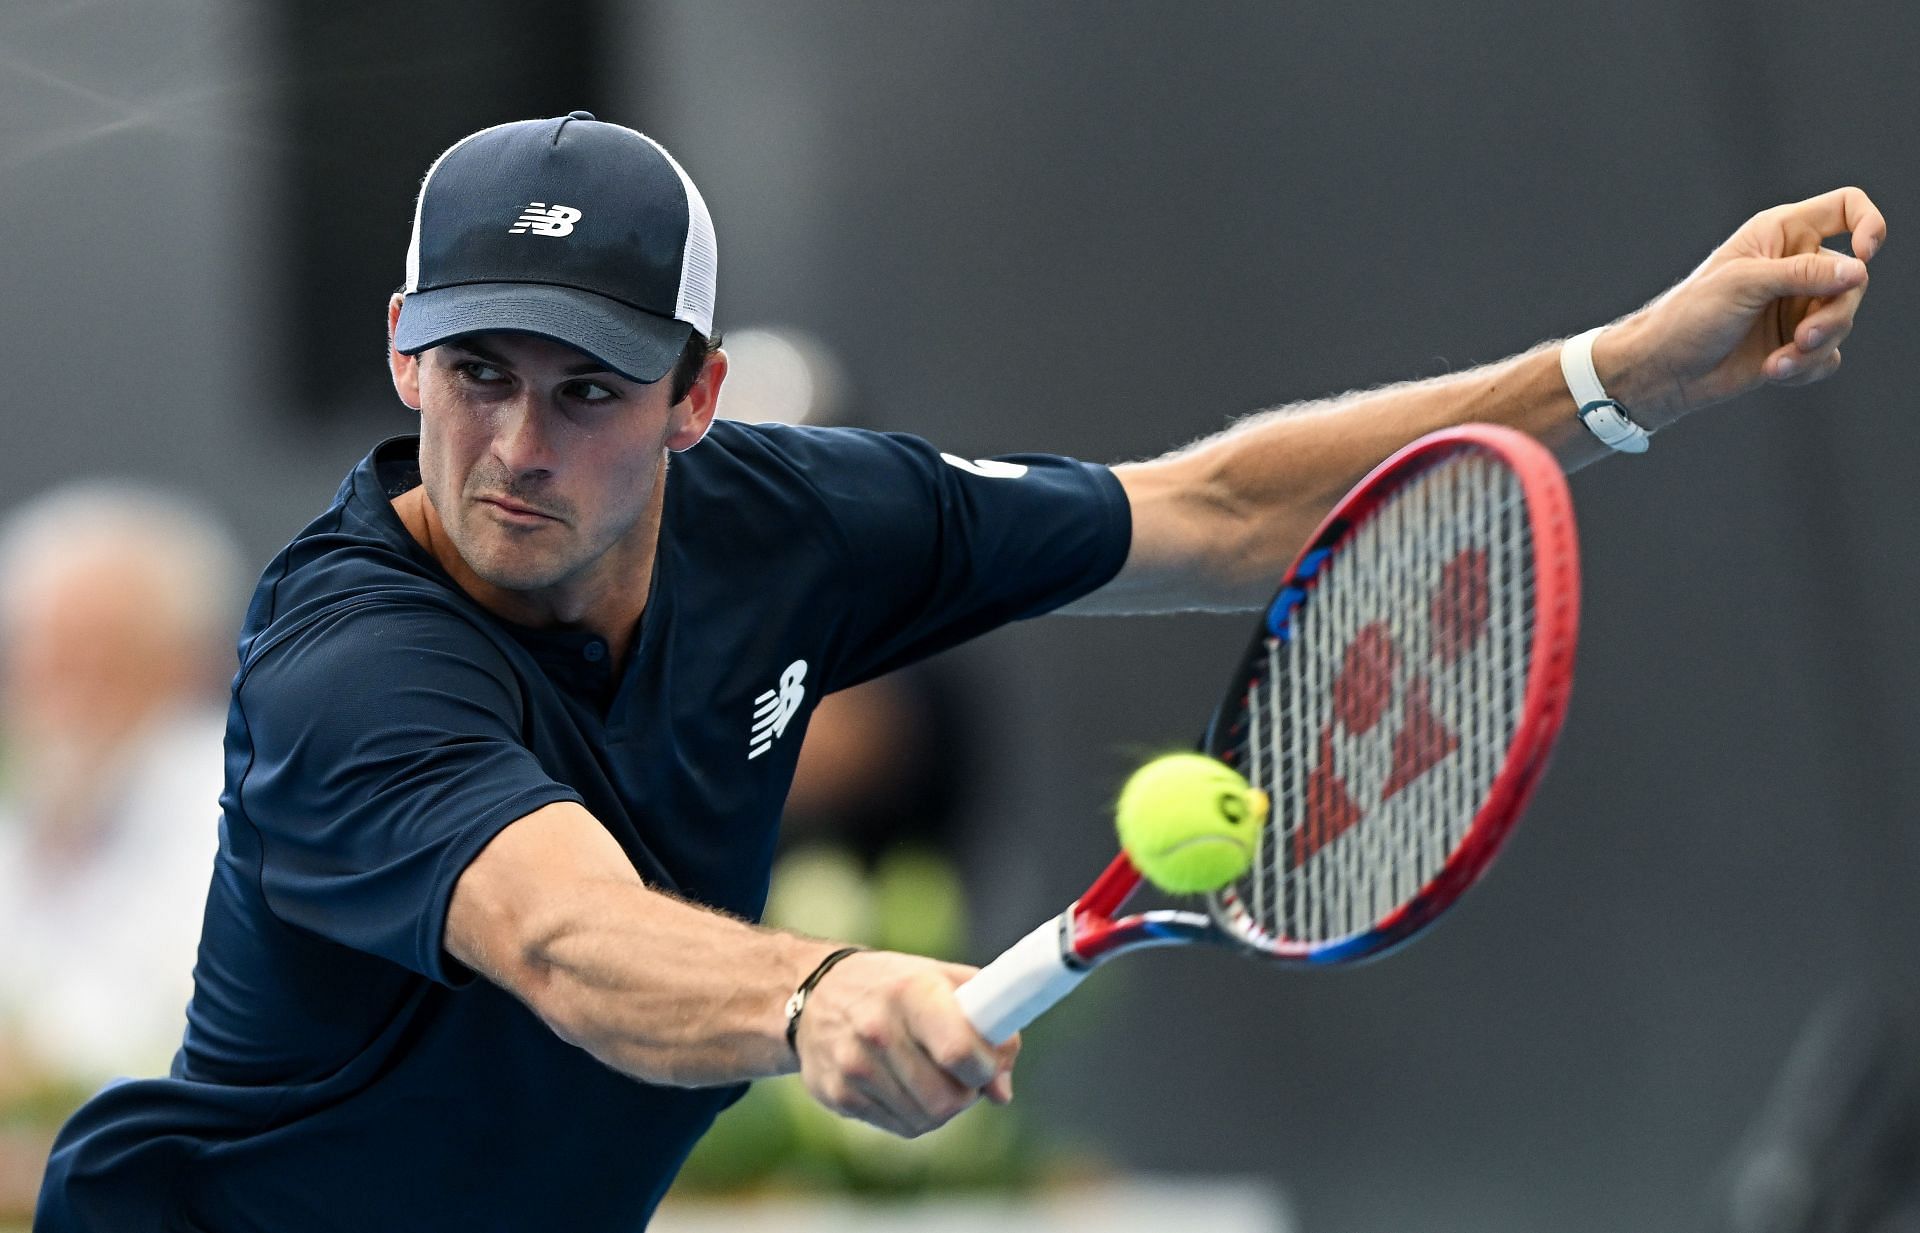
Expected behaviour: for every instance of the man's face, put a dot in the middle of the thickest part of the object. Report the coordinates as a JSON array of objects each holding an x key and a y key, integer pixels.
[{"x": 540, "y": 463}]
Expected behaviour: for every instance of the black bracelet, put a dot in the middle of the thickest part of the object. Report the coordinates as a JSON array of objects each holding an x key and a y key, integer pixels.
[{"x": 798, "y": 1002}]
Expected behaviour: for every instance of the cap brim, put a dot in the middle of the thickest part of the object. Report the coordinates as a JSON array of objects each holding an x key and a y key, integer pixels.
[{"x": 635, "y": 344}]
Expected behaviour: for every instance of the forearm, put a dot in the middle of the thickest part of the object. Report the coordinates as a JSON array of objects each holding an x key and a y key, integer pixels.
[
  {"x": 670, "y": 992},
  {"x": 663, "y": 990},
  {"x": 1216, "y": 522},
  {"x": 1281, "y": 471}
]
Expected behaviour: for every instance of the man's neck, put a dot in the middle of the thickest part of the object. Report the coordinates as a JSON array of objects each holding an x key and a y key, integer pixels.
[{"x": 610, "y": 604}]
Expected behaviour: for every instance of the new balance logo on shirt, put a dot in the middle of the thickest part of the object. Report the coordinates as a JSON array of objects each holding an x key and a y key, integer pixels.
[
  {"x": 774, "y": 708},
  {"x": 543, "y": 219},
  {"x": 989, "y": 468}
]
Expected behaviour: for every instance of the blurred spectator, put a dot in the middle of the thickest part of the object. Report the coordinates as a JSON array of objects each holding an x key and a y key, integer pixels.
[{"x": 117, "y": 610}]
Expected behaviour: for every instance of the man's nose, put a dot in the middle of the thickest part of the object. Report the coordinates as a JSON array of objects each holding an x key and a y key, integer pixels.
[{"x": 523, "y": 437}]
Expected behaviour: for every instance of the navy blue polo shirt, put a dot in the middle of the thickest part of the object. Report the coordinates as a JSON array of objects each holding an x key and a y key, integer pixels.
[{"x": 340, "y": 1070}]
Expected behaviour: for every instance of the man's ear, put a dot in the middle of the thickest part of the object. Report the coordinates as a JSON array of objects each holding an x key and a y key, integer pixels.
[
  {"x": 405, "y": 368},
  {"x": 693, "y": 415}
]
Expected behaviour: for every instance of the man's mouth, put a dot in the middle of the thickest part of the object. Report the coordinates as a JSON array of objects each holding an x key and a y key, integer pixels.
[{"x": 517, "y": 512}]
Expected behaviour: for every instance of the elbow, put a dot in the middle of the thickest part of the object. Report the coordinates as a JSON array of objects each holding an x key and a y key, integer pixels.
[
  {"x": 525, "y": 955},
  {"x": 572, "y": 1014},
  {"x": 1259, "y": 521},
  {"x": 1242, "y": 537},
  {"x": 539, "y": 974},
  {"x": 555, "y": 977}
]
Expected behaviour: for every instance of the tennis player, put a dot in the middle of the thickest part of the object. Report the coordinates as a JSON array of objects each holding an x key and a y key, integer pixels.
[{"x": 515, "y": 715}]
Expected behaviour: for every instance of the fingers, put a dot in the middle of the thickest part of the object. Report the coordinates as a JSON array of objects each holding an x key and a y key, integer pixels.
[
  {"x": 880, "y": 1077},
  {"x": 949, "y": 1041},
  {"x": 1761, "y": 280},
  {"x": 1827, "y": 322},
  {"x": 1772, "y": 294},
  {"x": 944, "y": 1065},
  {"x": 1862, "y": 222},
  {"x": 1000, "y": 1091},
  {"x": 892, "y": 1048},
  {"x": 1814, "y": 352},
  {"x": 904, "y": 1084},
  {"x": 1844, "y": 211},
  {"x": 1791, "y": 366},
  {"x": 999, "y": 1088}
]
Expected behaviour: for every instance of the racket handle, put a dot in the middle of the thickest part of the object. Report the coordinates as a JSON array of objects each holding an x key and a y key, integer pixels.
[{"x": 1019, "y": 986}]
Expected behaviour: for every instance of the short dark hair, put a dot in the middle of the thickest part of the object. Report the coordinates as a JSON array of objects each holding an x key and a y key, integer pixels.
[{"x": 687, "y": 369}]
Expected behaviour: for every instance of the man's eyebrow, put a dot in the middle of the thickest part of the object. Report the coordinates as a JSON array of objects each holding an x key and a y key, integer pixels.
[{"x": 586, "y": 367}]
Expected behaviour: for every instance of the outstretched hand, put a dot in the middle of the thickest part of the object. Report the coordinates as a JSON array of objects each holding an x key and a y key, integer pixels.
[
  {"x": 883, "y": 1040},
  {"x": 1771, "y": 305}
]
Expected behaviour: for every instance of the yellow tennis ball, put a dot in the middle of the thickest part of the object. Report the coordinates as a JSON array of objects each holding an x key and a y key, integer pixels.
[{"x": 1189, "y": 823}]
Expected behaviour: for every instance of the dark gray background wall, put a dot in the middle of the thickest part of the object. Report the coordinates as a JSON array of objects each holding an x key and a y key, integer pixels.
[{"x": 1106, "y": 228}]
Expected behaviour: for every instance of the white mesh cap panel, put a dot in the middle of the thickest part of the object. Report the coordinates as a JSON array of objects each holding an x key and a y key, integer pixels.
[{"x": 700, "y": 264}]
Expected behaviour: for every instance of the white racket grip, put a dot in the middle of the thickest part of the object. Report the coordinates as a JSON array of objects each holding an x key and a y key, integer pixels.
[{"x": 1019, "y": 986}]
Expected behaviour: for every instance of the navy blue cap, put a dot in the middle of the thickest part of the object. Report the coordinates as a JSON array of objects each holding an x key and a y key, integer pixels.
[{"x": 584, "y": 232}]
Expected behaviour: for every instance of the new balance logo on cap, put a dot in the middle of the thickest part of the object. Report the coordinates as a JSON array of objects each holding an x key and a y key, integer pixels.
[
  {"x": 543, "y": 219},
  {"x": 773, "y": 709},
  {"x": 633, "y": 280}
]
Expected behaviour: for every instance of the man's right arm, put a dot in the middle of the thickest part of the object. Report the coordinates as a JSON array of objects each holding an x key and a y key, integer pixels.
[
  {"x": 1216, "y": 522},
  {"x": 672, "y": 993}
]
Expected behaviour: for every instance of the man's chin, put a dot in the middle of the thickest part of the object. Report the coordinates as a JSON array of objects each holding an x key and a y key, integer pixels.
[
  {"x": 515, "y": 568},
  {"x": 517, "y": 576}
]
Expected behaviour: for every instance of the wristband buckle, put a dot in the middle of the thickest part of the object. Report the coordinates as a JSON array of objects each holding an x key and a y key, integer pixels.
[{"x": 1608, "y": 420}]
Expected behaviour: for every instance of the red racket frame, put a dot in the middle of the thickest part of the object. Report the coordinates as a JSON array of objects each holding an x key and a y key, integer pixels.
[{"x": 1096, "y": 933}]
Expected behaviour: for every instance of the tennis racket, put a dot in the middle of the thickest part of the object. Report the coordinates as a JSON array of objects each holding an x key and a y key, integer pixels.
[{"x": 1397, "y": 705}]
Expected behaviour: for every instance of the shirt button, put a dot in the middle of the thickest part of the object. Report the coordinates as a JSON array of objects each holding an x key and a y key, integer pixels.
[{"x": 594, "y": 651}]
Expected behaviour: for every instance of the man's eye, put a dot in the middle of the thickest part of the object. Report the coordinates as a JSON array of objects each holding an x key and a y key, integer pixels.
[
  {"x": 485, "y": 374},
  {"x": 590, "y": 391}
]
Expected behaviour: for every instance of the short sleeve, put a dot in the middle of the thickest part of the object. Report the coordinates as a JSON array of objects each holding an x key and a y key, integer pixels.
[
  {"x": 384, "y": 749},
  {"x": 942, "y": 548}
]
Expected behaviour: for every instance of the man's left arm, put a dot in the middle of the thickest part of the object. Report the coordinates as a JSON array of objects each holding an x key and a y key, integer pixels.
[{"x": 1216, "y": 522}]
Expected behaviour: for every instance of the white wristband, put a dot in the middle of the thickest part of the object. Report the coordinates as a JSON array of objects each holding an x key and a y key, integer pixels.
[{"x": 1604, "y": 418}]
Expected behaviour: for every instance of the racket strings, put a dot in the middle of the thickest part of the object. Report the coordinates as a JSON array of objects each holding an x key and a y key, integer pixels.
[{"x": 1380, "y": 724}]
